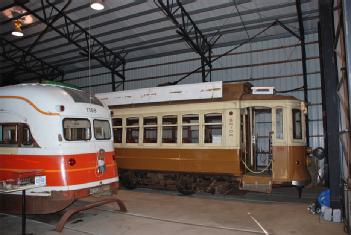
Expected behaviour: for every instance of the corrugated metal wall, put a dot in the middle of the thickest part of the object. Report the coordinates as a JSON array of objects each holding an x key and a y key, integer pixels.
[{"x": 274, "y": 62}]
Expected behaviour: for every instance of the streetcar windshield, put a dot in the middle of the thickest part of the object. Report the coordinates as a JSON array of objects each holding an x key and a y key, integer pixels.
[
  {"x": 102, "y": 130},
  {"x": 76, "y": 129},
  {"x": 8, "y": 134}
]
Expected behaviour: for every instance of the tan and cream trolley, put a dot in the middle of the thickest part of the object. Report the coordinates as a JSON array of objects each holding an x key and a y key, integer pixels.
[{"x": 209, "y": 137}]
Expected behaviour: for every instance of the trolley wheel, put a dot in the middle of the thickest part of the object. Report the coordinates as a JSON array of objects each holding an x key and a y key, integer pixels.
[
  {"x": 186, "y": 184},
  {"x": 129, "y": 180}
]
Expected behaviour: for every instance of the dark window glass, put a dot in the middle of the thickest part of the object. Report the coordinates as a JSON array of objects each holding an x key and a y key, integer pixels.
[
  {"x": 169, "y": 120},
  {"x": 116, "y": 121},
  {"x": 102, "y": 129},
  {"x": 76, "y": 129},
  {"x": 133, "y": 121},
  {"x": 117, "y": 135},
  {"x": 190, "y": 118},
  {"x": 190, "y": 134},
  {"x": 150, "y": 134},
  {"x": 8, "y": 134},
  {"x": 169, "y": 134},
  {"x": 169, "y": 129},
  {"x": 213, "y": 118},
  {"x": 132, "y": 129},
  {"x": 190, "y": 129},
  {"x": 27, "y": 138},
  {"x": 150, "y": 130},
  {"x": 297, "y": 124},
  {"x": 213, "y": 134},
  {"x": 279, "y": 124},
  {"x": 132, "y": 135},
  {"x": 148, "y": 121}
]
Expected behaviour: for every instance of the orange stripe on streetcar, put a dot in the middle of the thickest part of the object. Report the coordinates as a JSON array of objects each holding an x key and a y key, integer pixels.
[
  {"x": 59, "y": 170},
  {"x": 30, "y": 103}
]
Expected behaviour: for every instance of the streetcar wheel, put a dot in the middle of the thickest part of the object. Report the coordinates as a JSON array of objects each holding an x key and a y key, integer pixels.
[{"x": 186, "y": 184}]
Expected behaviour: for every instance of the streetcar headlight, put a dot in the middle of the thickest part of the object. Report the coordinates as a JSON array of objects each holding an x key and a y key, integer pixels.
[{"x": 71, "y": 161}]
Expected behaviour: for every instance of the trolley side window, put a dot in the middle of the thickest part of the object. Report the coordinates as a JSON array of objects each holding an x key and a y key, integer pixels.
[
  {"x": 102, "y": 130},
  {"x": 190, "y": 130},
  {"x": 169, "y": 129},
  {"x": 213, "y": 128},
  {"x": 279, "y": 123},
  {"x": 297, "y": 124},
  {"x": 117, "y": 130},
  {"x": 8, "y": 134},
  {"x": 76, "y": 129},
  {"x": 27, "y": 139},
  {"x": 132, "y": 130},
  {"x": 150, "y": 130}
]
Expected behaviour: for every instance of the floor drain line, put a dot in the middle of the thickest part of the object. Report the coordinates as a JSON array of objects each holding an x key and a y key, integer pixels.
[{"x": 186, "y": 223}]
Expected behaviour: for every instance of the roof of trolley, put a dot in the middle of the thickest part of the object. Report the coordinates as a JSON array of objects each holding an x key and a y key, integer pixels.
[
  {"x": 230, "y": 92},
  {"x": 48, "y": 93}
]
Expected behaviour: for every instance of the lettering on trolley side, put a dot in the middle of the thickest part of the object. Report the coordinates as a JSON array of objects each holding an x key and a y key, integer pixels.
[{"x": 231, "y": 124}]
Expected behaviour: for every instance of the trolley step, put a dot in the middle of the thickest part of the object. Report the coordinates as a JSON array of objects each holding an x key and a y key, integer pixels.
[{"x": 256, "y": 183}]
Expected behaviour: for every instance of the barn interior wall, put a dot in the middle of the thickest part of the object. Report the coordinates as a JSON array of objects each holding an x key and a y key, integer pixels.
[{"x": 275, "y": 62}]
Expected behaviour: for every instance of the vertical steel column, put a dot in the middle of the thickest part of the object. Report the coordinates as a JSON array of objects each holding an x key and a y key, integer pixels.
[
  {"x": 203, "y": 70},
  {"x": 347, "y": 35},
  {"x": 304, "y": 67},
  {"x": 332, "y": 112},
  {"x": 113, "y": 82},
  {"x": 124, "y": 75}
]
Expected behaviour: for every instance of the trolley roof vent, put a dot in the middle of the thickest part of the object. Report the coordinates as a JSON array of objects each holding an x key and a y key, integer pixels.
[{"x": 263, "y": 90}]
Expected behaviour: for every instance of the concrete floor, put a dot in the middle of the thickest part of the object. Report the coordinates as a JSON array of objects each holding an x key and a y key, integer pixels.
[{"x": 159, "y": 212}]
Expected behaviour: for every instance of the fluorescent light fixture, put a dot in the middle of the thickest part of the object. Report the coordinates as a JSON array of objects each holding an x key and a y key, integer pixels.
[
  {"x": 17, "y": 31},
  {"x": 97, "y": 5}
]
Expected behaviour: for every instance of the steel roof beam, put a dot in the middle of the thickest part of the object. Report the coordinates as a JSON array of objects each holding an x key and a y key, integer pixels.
[
  {"x": 137, "y": 2},
  {"x": 143, "y": 24},
  {"x": 263, "y": 38},
  {"x": 163, "y": 41},
  {"x": 166, "y": 37},
  {"x": 186, "y": 26},
  {"x": 31, "y": 63},
  {"x": 72, "y": 31},
  {"x": 42, "y": 33},
  {"x": 157, "y": 55}
]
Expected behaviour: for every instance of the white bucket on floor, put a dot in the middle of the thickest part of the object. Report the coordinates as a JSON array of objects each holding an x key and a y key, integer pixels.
[{"x": 337, "y": 215}]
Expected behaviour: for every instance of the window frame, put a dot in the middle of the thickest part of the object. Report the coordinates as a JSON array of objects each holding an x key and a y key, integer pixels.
[
  {"x": 132, "y": 126},
  {"x": 293, "y": 111},
  {"x": 69, "y": 118},
  {"x": 170, "y": 125},
  {"x": 117, "y": 128},
  {"x": 16, "y": 143},
  {"x": 32, "y": 143},
  {"x": 213, "y": 124},
  {"x": 109, "y": 125},
  {"x": 190, "y": 125},
  {"x": 282, "y": 125},
  {"x": 150, "y": 126}
]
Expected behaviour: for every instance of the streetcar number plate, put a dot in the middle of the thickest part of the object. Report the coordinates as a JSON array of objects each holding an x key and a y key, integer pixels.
[
  {"x": 95, "y": 190},
  {"x": 99, "y": 189}
]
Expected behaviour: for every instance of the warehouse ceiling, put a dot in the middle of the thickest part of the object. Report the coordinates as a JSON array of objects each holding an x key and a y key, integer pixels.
[{"x": 136, "y": 29}]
